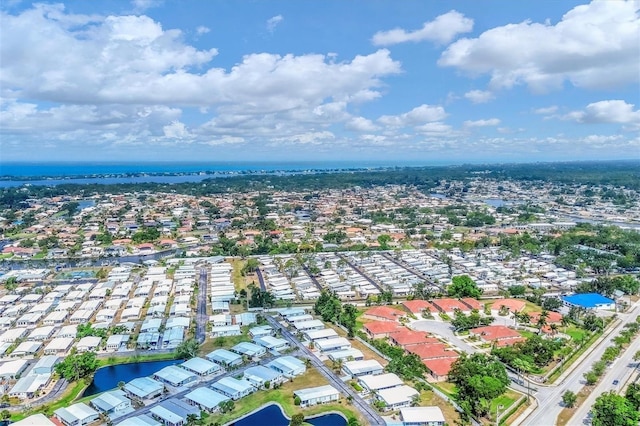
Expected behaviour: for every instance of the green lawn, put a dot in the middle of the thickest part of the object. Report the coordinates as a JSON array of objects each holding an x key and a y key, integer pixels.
[
  {"x": 505, "y": 400},
  {"x": 576, "y": 334},
  {"x": 115, "y": 360},
  {"x": 68, "y": 397},
  {"x": 284, "y": 397}
]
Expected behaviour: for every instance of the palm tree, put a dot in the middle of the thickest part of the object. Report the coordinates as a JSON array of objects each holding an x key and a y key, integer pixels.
[{"x": 554, "y": 328}]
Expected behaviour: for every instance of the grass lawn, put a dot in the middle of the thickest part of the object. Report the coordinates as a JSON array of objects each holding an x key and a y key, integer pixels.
[
  {"x": 526, "y": 333},
  {"x": 239, "y": 281},
  {"x": 115, "y": 360},
  {"x": 67, "y": 398},
  {"x": 576, "y": 334},
  {"x": 284, "y": 397},
  {"x": 505, "y": 400},
  {"x": 6, "y": 256},
  {"x": 446, "y": 387},
  {"x": 212, "y": 343}
]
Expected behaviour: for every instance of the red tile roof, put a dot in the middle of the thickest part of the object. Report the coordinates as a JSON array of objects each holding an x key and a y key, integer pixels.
[
  {"x": 431, "y": 351},
  {"x": 409, "y": 337},
  {"x": 472, "y": 303},
  {"x": 382, "y": 327},
  {"x": 553, "y": 318},
  {"x": 495, "y": 332},
  {"x": 439, "y": 366},
  {"x": 514, "y": 305},
  {"x": 450, "y": 305},
  {"x": 384, "y": 313},
  {"x": 417, "y": 306}
]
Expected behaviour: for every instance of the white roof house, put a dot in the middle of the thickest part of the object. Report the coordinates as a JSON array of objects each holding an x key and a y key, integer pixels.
[
  {"x": 79, "y": 414},
  {"x": 288, "y": 365},
  {"x": 259, "y": 375},
  {"x": 205, "y": 398},
  {"x": 233, "y": 388},
  {"x": 317, "y": 395},
  {"x": 272, "y": 343},
  {"x": 422, "y": 416},
  {"x": 144, "y": 388},
  {"x": 175, "y": 376},
  {"x": 88, "y": 343},
  {"x": 224, "y": 357},
  {"x": 379, "y": 382},
  {"x": 26, "y": 348},
  {"x": 28, "y": 386},
  {"x": 34, "y": 420},
  {"x": 59, "y": 345},
  {"x": 335, "y": 344},
  {"x": 200, "y": 366},
  {"x": 397, "y": 397},
  {"x": 362, "y": 368},
  {"x": 12, "y": 369},
  {"x": 114, "y": 404}
]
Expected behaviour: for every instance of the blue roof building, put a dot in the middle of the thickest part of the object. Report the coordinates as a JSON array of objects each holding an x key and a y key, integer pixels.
[
  {"x": 205, "y": 398},
  {"x": 589, "y": 301},
  {"x": 288, "y": 365},
  {"x": 224, "y": 357},
  {"x": 259, "y": 375},
  {"x": 249, "y": 349},
  {"x": 233, "y": 388}
]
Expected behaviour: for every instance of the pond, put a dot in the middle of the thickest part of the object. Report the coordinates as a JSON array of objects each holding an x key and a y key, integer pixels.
[
  {"x": 107, "y": 378},
  {"x": 495, "y": 202},
  {"x": 272, "y": 415}
]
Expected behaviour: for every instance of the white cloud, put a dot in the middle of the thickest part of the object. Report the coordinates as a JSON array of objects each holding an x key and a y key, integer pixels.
[
  {"x": 273, "y": 22},
  {"x": 176, "y": 130},
  {"x": 479, "y": 96},
  {"x": 436, "y": 128},
  {"x": 202, "y": 30},
  {"x": 417, "y": 116},
  {"x": 441, "y": 30},
  {"x": 482, "y": 123},
  {"x": 130, "y": 78},
  {"x": 546, "y": 110},
  {"x": 140, "y": 6},
  {"x": 593, "y": 46},
  {"x": 361, "y": 124},
  {"x": 612, "y": 111}
]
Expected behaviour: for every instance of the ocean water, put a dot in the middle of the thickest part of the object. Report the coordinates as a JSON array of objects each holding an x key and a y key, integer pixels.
[{"x": 109, "y": 168}]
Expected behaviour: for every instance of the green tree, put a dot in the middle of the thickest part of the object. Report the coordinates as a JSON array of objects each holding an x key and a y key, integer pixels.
[
  {"x": 569, "y": 398},
  {"x": 77, "y": 366},
  {"x": 590, "y": 377},
  {"x": 297, "y": 419},
  {"x": 479, "y": 378},
  {"x": 187, "y": 349},
  {"x": 633, "y": 395},
  {"x": 250, "y": 266},
  {"x": 5, "y": 415},
  {"x": 384, "y": 241},
  {"x": 611, "y": 409},
  {"x": 463, "y": 286}
]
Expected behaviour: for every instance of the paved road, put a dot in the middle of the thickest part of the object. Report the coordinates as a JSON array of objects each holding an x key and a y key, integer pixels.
[
  {"x": 444, "y": 330},
  {"x": 372, "y": 417},
  {"x": 621, "y": 370},
  {"x": 361, "y": 272},
  {"x": 201, "y": 312},
  {"x": 550, "y": 398},
  {"x": 261, "y": 279},
  {"x": 413, "y": 270}
]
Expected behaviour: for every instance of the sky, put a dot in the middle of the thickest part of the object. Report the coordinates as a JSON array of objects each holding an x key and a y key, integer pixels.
[{"x": 320, "y": 80}]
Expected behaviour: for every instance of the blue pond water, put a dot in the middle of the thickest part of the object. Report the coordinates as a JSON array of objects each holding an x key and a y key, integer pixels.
[
  {"x": 107, "y": 378},
  {"x": 272, "y": 416}
]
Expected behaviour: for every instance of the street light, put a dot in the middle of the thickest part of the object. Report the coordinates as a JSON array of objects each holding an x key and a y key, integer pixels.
[{"x": 498, "y": 408}]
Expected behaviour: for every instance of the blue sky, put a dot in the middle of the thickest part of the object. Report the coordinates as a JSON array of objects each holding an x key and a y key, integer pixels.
[{"x": 392, "y": 81}]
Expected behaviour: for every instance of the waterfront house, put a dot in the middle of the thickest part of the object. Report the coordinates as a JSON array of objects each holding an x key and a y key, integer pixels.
[
  {"x": 174, "y": 412},
  {"x": 200, "y": 366},
  {"x": 317, "y": 395},
  {"x": 259, "y": 375},
  {"x": 143, "y": 388},
  {"x": 79, "y": 414},
  {"x": 175, "y": 376},
  {"x": 205, "y": 398},
  {"x": 233, "y": 388}
]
